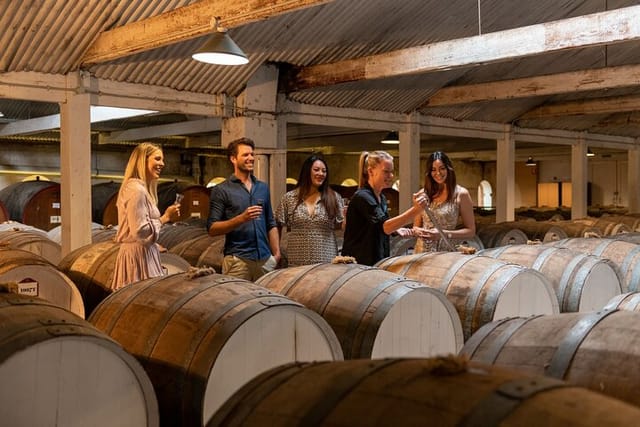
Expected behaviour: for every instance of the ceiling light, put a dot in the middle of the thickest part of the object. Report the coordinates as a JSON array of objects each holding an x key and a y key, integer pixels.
[
  {"x": 590, "y": 153},
  {"x": 530, "y": 162},
  {"x": 391, "y": 138},
  {"x": 103, "y": 114},
  {"x": 220, "y": 49}
]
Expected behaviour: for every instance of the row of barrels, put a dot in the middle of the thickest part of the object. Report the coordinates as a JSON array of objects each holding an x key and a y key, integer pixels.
[
  {"x": 585, "y": 272},
  {"x": 174, "y": 327},
  {"x": 37, "y": 203},
  {"x": 521, "y": 232},
  {"x": 480, "y": 291}
]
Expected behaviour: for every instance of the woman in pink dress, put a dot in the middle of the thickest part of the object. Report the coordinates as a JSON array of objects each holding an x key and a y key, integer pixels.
[{"x": 139, "y": 219}]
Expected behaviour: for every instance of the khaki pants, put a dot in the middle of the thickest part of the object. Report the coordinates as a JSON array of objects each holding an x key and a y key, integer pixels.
[{"x": 247, "y": 269}]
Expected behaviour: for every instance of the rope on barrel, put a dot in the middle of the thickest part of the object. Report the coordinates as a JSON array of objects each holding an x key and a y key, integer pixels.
[{"x": 194, "y": 272}]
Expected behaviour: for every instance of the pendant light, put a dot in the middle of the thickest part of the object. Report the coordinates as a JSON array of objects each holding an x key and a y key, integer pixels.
[{"x": 220, "y": 49}]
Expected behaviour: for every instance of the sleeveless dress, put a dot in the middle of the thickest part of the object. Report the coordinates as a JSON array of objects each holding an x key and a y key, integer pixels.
[{"x": 447, "y": 214}]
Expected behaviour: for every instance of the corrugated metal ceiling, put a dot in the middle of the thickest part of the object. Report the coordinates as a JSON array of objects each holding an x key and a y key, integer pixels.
[{"x": 51, "y": 36}]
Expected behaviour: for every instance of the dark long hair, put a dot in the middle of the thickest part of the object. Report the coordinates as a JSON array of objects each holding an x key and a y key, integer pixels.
[
  {"x": 328, "y": 197},
  {"x": 431, "y": 187}
]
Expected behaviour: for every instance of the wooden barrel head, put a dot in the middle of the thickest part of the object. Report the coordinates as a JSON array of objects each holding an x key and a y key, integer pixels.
[
  {"x": 494, "y": 235},
  {"x": 374, "y": 313},
  {"x": 195, "y": 203},
  {"x": 202, "y": 336},
  {"x": 35, "y": 203},
  {"x": 482, "y": 289},
  {"x": 624, "y": 255},
  {"x": 18, "y": 266},
  {"x": 581, "y": 282},
  {"x": 104, "y": 197},
  {"x": 58, "y": 369}
]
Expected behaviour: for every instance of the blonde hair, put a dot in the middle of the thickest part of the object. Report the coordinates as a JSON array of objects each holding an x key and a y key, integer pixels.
[
  {"x": 137, "y": 167},
  {"x": 370, "y": 160}
]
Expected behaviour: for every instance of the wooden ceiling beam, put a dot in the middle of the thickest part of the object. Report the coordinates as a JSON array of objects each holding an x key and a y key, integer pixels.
[
  {"x": 610, "y": 105},
  {"x": 186, "y": 23},
  {"x": 208, "y": 124},
  {"x": 584, "y": 31},
  {"x": 571, "y": 82}
]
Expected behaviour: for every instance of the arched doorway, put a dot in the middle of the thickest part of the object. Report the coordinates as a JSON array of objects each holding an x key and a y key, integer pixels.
[{"x": 485, "y": 195}]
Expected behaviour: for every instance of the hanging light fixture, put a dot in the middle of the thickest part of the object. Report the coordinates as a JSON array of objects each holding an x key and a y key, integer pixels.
[
  {"x": 220, "y": 49},
  {"x": 391, "y": 138},
  {"x": 530, "y": 162},
  {"x": 590, "y": 153}
]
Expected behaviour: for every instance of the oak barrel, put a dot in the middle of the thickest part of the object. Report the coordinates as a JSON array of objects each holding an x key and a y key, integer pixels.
[
  {"x": 43, "y": 277},
  {"x": 578, "y": 229},
  {"x": 201, "y": 337},
  {"x": 625, "y": 255},
  {"x": 175, "y": 233},
  {"x": 597, "y": 350},
  {"x": 91, "y": 267},
  {"x": 34, "y": 242},
  {"x": 415, "y": 392},
  {"x": 59, "y": 370},
  {"x": 628, "y": 301},
  {"x": 494, "y": 235},
  {"x": 582, "y": 282},
  {"x": 18, "y": 226},
  {"x": 195, "y": 203},
  {"x": 633, "y": 237},
  {"x": 544, "y": 231},
  {"x": 4, "y": 214},
  {"x": 99, "y": 233},
  {"x": 202, "y": 251},
  {"x": 373, "y": 312},
  {"x": 482, "y": 289},
  {"x": 609, "y": 226},
  {"x": 35, "y": 203},
  {"x": 104, "y": 198}
]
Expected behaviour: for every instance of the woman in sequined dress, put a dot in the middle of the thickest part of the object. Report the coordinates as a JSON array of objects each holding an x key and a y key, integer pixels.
[{"x": 448, "y": 202}]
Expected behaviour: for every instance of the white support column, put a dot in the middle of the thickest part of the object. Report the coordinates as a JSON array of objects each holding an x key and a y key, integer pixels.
[
  {"x": 409, "y": 167},
  {"x": 255, "y": 115},
  {"x": 75, "y": 165},
  {"x": 256, "y": 119},
  {"x": 505, "y": 170},
  {"x": 261, "y": 166},
  {"x": 278, "y": 165},
  {"x": 633, "y": 176},
  {"x": 579, "y": 179}
]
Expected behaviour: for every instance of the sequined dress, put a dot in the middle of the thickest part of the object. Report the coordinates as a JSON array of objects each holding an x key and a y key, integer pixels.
[{"x": 447, "y": 214}]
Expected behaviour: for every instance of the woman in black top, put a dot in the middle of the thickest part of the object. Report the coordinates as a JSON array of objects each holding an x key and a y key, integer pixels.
[{"x": 366, "y": 235}]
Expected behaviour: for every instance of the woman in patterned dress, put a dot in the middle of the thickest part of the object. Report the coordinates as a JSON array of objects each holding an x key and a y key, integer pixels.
[
  {"x": 447, "y": 201},
  {"x": 139, "y": 219},
  {"x": 311, "y": 212}
]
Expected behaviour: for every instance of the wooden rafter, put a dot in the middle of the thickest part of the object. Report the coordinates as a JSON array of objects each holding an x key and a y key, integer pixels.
[
  {"x": 589, "y": 30},
  {"x": 577, "y": 81},
  {"x": 186, "y": 23},
  {"x": 608, "y": 105}
]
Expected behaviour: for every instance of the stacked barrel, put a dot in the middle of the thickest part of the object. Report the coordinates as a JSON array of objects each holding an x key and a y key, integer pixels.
[{"x": 372, "y": 344}]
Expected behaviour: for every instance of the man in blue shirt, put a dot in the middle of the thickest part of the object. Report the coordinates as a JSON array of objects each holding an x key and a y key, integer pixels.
[{"x": 240, "y": 208}]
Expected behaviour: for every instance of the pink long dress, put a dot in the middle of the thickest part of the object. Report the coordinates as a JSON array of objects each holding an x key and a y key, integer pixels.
[{"x": 138, "y": 228}]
